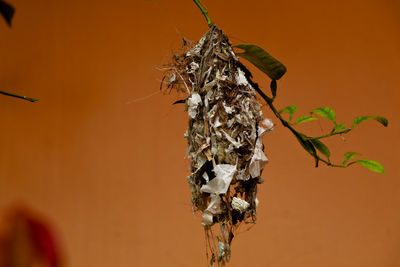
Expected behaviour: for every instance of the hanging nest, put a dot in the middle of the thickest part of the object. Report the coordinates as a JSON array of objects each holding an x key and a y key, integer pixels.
[{"x": 224, "y": 136}]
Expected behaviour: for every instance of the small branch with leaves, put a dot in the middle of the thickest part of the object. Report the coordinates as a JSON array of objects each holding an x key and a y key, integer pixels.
[
  {"x": 313, "y": 145},
  {"x": 275, "y": 70}
]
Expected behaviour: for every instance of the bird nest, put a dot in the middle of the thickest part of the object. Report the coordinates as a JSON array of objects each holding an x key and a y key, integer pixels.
[{"x": 224, "y": 136}]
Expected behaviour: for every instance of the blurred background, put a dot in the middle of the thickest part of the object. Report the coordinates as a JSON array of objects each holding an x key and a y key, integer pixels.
[{"x": 102, "y": 154}]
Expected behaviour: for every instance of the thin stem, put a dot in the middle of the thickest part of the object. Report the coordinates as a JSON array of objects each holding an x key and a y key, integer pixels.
[
  {"x": 330, "y": 164},
  {"x": 205, "y": 13},
  {"x": 328, "y": 135},
  {"x": 19, "y": 96}
]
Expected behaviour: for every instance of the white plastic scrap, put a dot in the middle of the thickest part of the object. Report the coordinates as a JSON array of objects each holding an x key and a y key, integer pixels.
[
  {"x": 213, "y": 208},
  {"x": 269, "y": 125},
  {"x": 223, "y": 177},
  {"x": 241, "y": 78},
  {"x": 193, "y": 101},
  {"x": 239, "y": 204},
  {"x": 207, "y": 219},
  {"x": 259, "y": 160},
  {"x": 215, "y": 205}
]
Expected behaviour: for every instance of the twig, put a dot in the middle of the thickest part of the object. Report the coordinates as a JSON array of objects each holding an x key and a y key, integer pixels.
[
  {"x": 330, "y": 134},
  {"x": 19, "y": 96}
]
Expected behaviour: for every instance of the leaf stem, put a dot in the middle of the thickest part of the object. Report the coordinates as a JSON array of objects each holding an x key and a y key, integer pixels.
[
  {"x": 19, "y": 96},
  {"x": 205, "y": 13},
  {"x": 332, "y": 165}
]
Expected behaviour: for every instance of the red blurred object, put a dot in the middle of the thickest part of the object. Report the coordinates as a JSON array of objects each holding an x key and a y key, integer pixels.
[{"x": 27, "y": 240}]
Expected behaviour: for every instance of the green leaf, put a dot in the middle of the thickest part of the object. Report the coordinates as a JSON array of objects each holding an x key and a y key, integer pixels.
[
  {"x": 262, "y": 60},
  {"x": 307, "y": 145},
  {"x": 321, "y": 148},
  {"x": 273, "y": 88},
  {"x": 380, "y": 119},
  {"x": 372, "y": 165},
  {"x": 339, "y": 127},
  {"x": 325, "y": 112},
  {"x": 306, "y": 118},
  {"x": 290, "y": 110},
  {"x": 349, "y": 156}
]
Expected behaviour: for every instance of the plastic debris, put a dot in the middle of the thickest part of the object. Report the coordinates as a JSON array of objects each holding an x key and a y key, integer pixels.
[
  {"x": 223, "y": 177},
  {"x": 239, "y": 204}
]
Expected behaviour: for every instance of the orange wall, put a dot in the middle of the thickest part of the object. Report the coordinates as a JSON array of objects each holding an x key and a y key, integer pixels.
[{"x": 109, "y": 171}]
